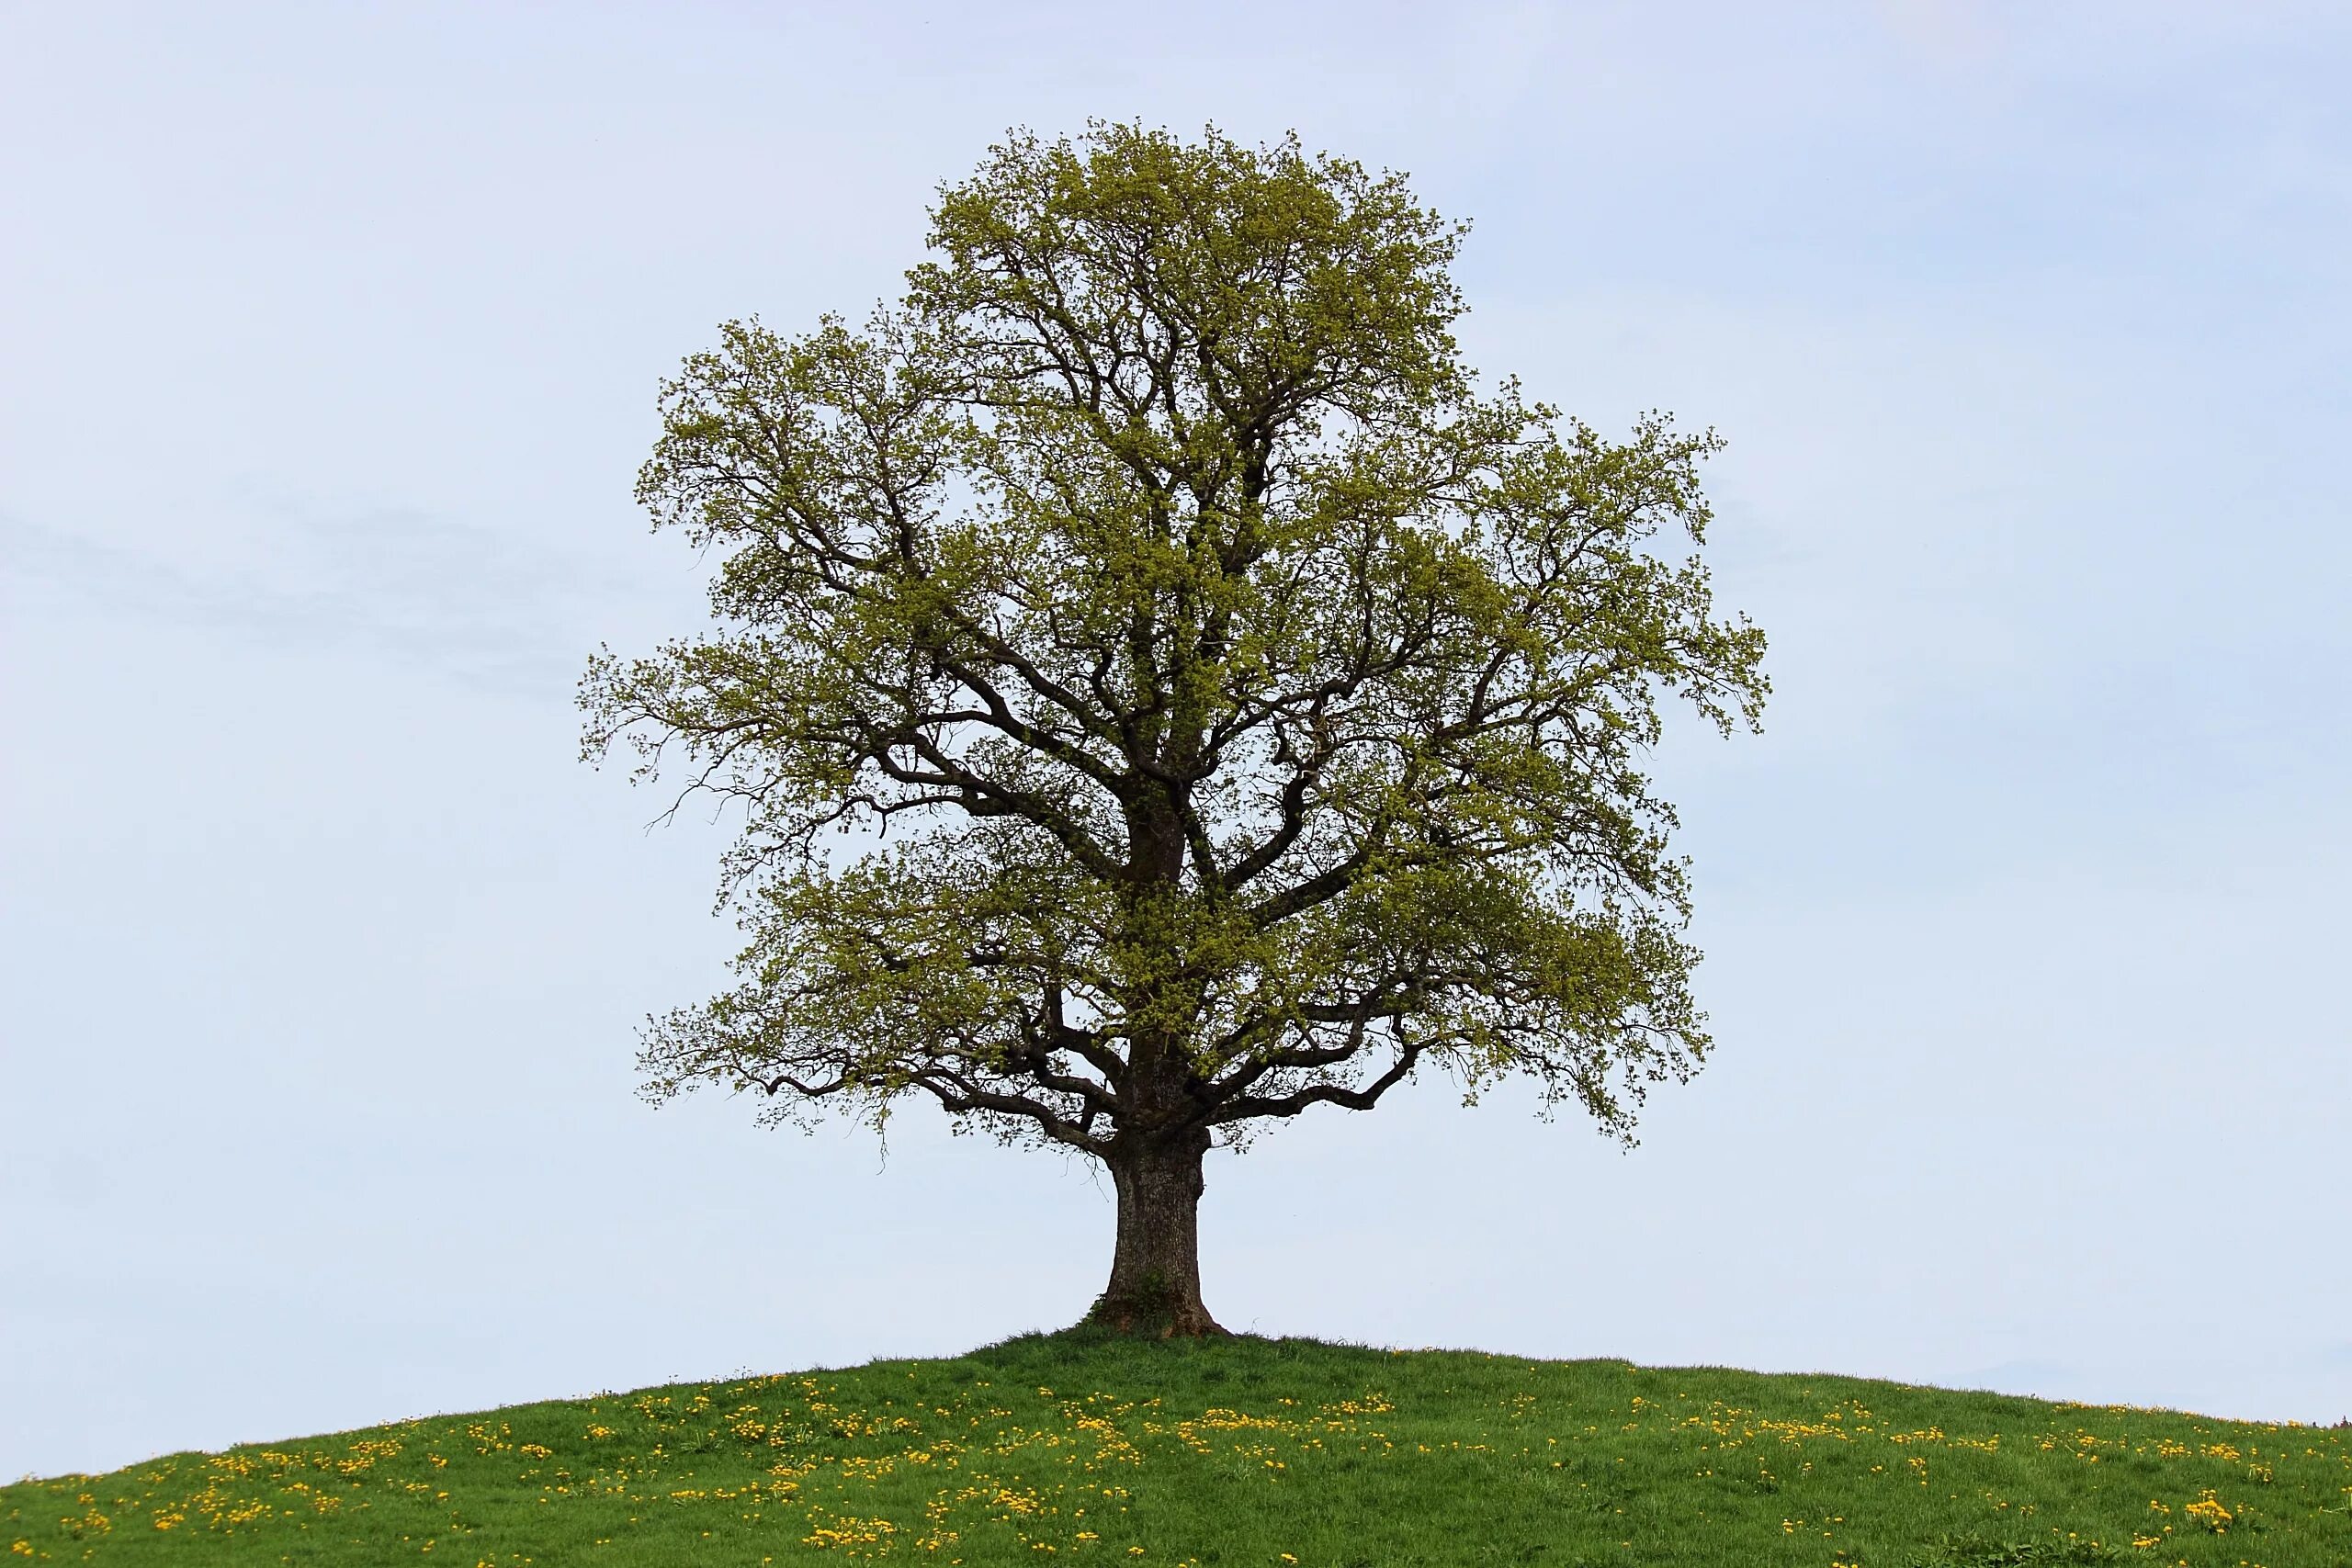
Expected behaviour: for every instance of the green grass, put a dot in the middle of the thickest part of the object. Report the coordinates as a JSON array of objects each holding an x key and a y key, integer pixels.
[{"x": 1077, "y": 1447}]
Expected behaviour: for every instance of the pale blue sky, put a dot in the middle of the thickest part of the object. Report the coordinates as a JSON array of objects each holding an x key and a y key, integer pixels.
[{"x": 328, "y": 343}]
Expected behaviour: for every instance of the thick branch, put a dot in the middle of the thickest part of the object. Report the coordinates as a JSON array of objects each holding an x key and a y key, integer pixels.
[{"x": 1243, "y": 1107}]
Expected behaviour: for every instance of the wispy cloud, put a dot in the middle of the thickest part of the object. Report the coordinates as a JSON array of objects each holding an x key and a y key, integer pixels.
[{"x": 480, "y": 607}]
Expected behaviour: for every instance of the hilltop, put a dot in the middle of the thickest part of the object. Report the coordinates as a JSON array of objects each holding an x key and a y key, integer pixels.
[{"x": 1285, "y": 1453}]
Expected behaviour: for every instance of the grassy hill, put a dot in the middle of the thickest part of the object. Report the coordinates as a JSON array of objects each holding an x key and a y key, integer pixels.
[{"x": 1073, "y": 1448}]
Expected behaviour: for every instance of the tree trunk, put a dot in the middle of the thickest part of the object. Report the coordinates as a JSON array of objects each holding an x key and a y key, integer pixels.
[{"x": 1156, "y": 1266}]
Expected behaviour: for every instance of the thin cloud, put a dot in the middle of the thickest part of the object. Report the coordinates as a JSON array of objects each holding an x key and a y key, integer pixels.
[{"x": 482, "y": 608}]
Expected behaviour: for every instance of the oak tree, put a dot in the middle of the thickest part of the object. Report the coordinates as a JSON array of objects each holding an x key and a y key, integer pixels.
[{"x": 1168, "y": 690}]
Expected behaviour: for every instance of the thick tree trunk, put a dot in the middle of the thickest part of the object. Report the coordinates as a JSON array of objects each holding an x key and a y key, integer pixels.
[{"x": 1156, "y": 1266}]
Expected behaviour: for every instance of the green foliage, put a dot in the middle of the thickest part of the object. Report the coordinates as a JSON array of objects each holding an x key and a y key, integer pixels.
[
  {"x": 1251, "y": 704},
  {"x": 1086, "y": 1446}
]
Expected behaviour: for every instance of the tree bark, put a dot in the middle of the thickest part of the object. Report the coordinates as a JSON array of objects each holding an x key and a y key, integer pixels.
[{"x": 1156, "y": 1264}]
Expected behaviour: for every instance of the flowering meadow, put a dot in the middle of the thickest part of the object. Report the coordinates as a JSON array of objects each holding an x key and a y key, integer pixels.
[{"x": 1245, "y": 1451}]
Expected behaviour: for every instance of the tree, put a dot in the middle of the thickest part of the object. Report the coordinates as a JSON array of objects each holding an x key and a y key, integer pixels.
[{"x": 1242, "y": 706}]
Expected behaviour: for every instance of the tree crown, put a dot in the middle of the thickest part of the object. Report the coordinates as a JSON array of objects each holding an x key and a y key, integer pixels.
[{"x": 1245, "y": 706}]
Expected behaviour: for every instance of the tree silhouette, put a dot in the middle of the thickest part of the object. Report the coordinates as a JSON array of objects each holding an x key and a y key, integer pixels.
[{"x": 1242, "y": 707}]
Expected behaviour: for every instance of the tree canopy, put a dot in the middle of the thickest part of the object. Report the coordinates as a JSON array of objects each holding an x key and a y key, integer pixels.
[{"x": 1167, "y": 691}]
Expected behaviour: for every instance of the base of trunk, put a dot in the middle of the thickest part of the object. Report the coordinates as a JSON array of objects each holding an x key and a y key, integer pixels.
[{"x": 1153, "y": 1316}]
